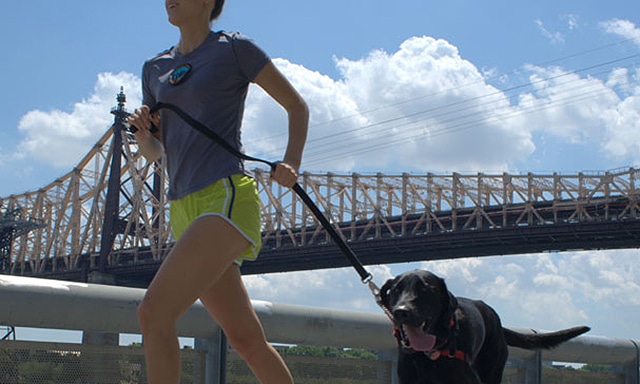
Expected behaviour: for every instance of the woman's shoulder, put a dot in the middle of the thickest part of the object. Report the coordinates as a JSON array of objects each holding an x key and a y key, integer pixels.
[
  {"x": 166, "y": 54},
  {"x": 233, "y": 36}
]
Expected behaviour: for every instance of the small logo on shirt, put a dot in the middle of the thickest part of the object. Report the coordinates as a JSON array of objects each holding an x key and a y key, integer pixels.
[{"x": 179, "y": 74}]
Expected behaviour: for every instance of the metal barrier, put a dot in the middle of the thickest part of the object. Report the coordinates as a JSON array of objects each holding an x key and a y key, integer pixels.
[{"x": 39, "y": 303}]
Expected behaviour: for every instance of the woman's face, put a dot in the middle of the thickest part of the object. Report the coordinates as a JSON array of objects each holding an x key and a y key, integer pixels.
[{"x": 185, "y": 12}]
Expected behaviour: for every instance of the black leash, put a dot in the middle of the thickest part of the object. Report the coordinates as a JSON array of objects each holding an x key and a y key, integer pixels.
[{"x": 365, "y": 276}]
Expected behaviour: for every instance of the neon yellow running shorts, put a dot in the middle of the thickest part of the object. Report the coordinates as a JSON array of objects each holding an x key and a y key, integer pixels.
[{"x": 234, "y": 198}]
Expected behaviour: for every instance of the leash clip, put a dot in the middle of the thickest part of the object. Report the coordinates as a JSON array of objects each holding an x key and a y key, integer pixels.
[{"x": 375, "y": 290}]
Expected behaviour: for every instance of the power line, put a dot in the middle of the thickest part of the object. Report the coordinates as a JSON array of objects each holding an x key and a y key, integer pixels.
[
  {"x": 335, "y": 141},
  {"x": 459, "y": 123},
  {"x": 482, "y": 81}
]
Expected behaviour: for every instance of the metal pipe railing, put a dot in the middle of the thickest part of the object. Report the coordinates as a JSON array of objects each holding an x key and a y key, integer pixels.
[{"x": 40, "y": 303}]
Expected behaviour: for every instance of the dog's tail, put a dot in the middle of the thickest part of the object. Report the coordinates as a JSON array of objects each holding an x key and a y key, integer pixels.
[{"x": 542, "y": 340}]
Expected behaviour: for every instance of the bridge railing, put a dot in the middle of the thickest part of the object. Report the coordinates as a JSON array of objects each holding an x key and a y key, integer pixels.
[{"x": 39, "y": 303}]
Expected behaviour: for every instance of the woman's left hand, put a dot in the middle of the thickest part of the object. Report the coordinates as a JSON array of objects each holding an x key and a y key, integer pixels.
[{"x": 285, "y": 174}]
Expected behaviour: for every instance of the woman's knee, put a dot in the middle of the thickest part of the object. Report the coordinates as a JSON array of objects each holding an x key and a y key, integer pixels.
[
  {"x": 145, "y": 315},
  {"x": 150, "y": 317},
  {"x": 247, "y": 343}
]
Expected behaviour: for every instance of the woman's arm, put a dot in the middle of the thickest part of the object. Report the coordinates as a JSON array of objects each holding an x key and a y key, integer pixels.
[{"x": 278, "y": 87}]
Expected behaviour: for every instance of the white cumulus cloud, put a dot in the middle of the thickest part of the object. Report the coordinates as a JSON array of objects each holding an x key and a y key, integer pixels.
[
  {"x": 422, "y": 108},
  {"x": 62, "y": 138},
  {"x": 623, "y": 28}
]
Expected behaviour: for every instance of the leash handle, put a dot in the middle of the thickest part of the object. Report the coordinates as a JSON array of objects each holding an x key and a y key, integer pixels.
[{"x": 365, "y": 276}]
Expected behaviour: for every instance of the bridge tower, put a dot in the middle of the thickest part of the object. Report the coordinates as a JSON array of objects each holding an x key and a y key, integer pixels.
[
  {"x": 11, "y": 227},
  {"x": 112, "y": 203},
  {"x": 113, "y": 224}
]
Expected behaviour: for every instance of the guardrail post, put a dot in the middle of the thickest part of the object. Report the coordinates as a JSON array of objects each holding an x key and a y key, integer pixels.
[
  {"x": 216, "y": 358},
  {"x": 100, "y": 367},
  {"x": 382, "y": 373},
  {"x": 632, "y": 369},
  {"x": 533, "y": 368}
]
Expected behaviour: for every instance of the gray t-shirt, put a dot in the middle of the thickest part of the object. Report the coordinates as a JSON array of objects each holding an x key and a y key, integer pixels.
[{"x": 212, "y": 91}]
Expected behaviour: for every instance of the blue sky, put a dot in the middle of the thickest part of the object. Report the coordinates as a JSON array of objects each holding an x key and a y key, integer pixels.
[{"x": 497, "y": 86}]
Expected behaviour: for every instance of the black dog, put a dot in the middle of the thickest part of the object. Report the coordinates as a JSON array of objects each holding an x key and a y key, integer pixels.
[{"x": 445, "y": 339}]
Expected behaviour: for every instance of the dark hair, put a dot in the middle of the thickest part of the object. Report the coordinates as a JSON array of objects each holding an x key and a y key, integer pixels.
[{"x": 217, "y": 10}]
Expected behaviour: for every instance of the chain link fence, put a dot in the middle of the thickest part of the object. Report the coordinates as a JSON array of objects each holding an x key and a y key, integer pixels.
[
  {"x": 56, "y": 363},
  {"x": 318, "y": 370},
  {"x": 23, "y": 362}
]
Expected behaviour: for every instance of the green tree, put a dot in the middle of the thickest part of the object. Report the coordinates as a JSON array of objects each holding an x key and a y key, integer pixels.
[
  {"x": 596, "y": 368},
  {"x": 315, "y": 351}
]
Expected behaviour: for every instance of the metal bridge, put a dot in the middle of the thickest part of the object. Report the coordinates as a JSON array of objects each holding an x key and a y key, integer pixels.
[{"x": 110, "y": 215}]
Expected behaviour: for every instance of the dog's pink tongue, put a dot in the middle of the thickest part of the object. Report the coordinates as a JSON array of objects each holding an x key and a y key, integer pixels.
[{"x": 419, "y": 340}]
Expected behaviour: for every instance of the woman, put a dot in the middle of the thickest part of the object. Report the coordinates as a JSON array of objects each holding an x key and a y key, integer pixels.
[{"x": 215, "y": 213}]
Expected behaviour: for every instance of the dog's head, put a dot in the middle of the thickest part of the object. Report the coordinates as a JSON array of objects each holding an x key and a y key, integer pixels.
[{"x": 421, "y": 307}]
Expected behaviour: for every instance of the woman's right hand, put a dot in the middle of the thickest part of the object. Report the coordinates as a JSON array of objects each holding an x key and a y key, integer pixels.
[
  {"x": 142, "y": 119},
  {"x": 149, "y": 143}
]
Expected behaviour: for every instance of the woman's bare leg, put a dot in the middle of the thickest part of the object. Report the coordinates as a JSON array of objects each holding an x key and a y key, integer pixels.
[
  {"x": 228, "y": 302},
  {"x": 201, "y": 256}
]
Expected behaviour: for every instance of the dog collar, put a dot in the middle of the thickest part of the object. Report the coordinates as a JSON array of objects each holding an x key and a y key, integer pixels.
[
  {"x": 439, "y": 351},
  {"x": 457, "y": 354},
  {"x": 452, "y": 352}
]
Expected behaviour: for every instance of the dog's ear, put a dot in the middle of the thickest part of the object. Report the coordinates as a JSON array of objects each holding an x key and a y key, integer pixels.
[
  {"x": 449, "y": 301},
  {"x": 453, "y": 302}
]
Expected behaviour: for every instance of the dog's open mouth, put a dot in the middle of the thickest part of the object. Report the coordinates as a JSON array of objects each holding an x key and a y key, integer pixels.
[{"x": 418, "y": 339}]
